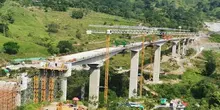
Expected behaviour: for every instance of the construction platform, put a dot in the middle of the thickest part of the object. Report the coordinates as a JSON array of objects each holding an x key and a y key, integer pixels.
[{"x": 53, "y": 68}]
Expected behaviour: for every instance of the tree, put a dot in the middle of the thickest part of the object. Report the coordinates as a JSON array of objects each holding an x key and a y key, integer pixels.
[
  {"x": 215, "y": 99},
  {"x": 218, "y": 14},
  {"x": 11, "y": 47},
  {"x": 2, "y": 2},
  {"x": 3, "y": 24},
  {"x": 65, "y": 46},
  {"x": 75, "y": 83},
  {"x": 77, "y": 14},
  {"x": 203, "y": 89},
  {"x": 53, "y": 49},
  {"x": 210, "y": 65}
]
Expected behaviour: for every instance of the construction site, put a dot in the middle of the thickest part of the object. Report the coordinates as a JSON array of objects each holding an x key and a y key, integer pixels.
[{"x": 48, "y": 79}]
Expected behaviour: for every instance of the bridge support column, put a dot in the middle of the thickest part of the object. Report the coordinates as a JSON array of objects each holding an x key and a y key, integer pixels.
[
  {"x": 94, "y": 82},
  {"x": 156, "y": 68},
  {"x": 133, "y": 83},
  {"x": 18, "y": 99},
  {"x": 174, "y": 48},
  {"x": 184, "y": 48},
  {"x": 188, "y": 42},
  {"x": 63, "y": 88},
  {"x": 64, "y": 81},
  {"x": 179, "y": 48}
]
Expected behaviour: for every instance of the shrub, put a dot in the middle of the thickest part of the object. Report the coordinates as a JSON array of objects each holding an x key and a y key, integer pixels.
[
  {"x": 190, "y": 51},
  {"x": 11, "y": 47},
  {"x": 77, "y": 14},
  {"x": 78, "y": 34},
  {"x": 53, "y": 50},
  {"x": 53, "y": 27}
]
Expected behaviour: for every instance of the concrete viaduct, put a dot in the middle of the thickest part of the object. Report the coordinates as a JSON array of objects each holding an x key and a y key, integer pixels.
[{"x": 96, "y": 58}]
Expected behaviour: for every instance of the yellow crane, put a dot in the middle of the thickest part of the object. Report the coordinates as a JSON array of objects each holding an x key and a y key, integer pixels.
[{"x": 107, "y": 67}]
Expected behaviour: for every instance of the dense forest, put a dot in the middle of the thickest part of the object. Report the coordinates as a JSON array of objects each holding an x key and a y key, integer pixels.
[{"x": 168, "y": 13}]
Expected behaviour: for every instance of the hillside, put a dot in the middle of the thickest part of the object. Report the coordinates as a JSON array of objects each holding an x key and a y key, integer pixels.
[
  {"x": 167, "y": 13},
  {"x": 29, "y": 21},
  {"x": 30, "y": 29}
]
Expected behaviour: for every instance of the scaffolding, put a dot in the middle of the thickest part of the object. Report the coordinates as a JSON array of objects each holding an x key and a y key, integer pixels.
[
  {"x": 36, "y": 89},
  {"x": 43, "y": 86},
  {"x": 51, "y": 87},
  {"x": 8, "y": 93}
]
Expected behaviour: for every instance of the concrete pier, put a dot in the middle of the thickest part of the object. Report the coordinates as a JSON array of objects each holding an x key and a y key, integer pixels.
[
  {"x": 63, "y": 88},
  {"x": 133, "y": 74},
  {"x": 174, "y": 47},
  {"x": 156, "y": 68},
  {"x": 179, "y": 48},
  {"x": 94, "y": 83},
  {"x": 64, "y": 81},
  {"x": 184, "y": 48}
]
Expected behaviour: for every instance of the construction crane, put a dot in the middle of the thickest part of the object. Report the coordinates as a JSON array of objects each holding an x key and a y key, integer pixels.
[{"x": 143, "y": 32}]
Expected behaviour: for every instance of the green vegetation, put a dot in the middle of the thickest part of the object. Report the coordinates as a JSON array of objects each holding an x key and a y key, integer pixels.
[
  {"x": 190, "y": 52},
  {"x": 33, "y": 106},
  {"x": 199, "y": 85},
  {"x": 215, "y": 38},
  {"x": 38, "y": 32},
  {"x": 168, "y": 13},
  {"x": 78, "y": 85},
  {"x": 11, "y": 47},
  {"x": 169, "y": 65}
]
